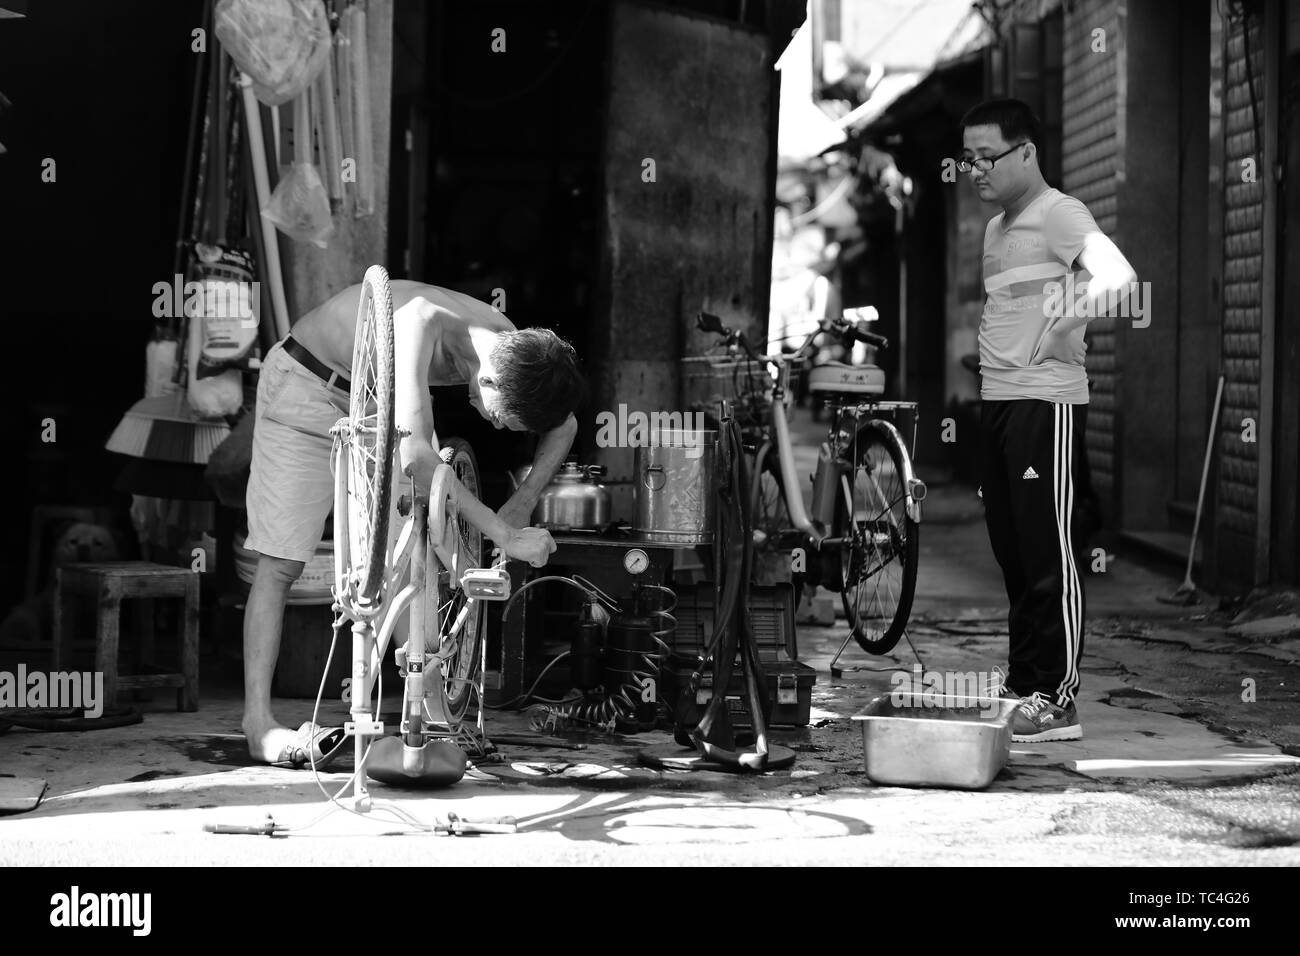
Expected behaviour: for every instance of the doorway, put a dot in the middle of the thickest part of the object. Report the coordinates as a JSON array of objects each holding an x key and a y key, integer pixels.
[{"x": 1198, "y": 339}]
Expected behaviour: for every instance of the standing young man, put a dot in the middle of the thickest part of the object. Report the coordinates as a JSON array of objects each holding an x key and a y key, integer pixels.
[{"x": 1039, "y": 250}]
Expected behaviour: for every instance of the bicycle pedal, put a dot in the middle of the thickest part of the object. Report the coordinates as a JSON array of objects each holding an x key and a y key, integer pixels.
[{"x": 486, "y": 584}]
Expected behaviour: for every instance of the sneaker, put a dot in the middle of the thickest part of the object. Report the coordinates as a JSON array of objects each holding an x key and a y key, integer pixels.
[
  {"x": 1039, "y": 720},
  {"x": 998, "y": 687}
]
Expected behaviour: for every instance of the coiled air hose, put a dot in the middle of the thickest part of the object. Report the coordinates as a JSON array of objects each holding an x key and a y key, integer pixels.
[
  {"x": 622, "y": 705},
  {"x": 607, "y": 710}
]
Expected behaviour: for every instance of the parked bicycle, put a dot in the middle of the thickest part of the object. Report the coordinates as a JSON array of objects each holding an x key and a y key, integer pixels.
[{"x": 861, "y": 534}]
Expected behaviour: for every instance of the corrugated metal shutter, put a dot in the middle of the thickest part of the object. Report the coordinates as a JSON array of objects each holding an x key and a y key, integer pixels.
[{"x": 1242, "y": 285}]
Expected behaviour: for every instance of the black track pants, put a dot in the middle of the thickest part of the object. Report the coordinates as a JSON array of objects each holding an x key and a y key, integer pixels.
[{"x": 1030, "y": 455}]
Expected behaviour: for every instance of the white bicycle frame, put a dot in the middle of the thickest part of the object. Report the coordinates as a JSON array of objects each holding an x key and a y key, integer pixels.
[{"x": 424, "y": 546}]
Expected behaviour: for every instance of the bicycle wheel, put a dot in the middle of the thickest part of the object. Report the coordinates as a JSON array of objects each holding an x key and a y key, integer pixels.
[
  {"x": 878, "y": 541},
  {"x": 460, "y": 668},
  {"x": 372, "y": 441},
  {"x": 770, "y": 516}
]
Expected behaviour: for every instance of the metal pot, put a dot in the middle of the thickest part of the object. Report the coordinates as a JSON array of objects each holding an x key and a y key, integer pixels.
[
  {"x": 675, "y": 486},
  {"x": 574, "y": 500}
]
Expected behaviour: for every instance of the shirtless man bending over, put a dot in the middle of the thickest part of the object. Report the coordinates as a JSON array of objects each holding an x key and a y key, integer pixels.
[{"x": 521, "y": 380}]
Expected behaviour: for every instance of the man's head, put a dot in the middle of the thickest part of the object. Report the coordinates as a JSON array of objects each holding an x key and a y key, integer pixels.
[
  {"x": 1007, "y": 134},
  {"x": 532, "y": 382}
]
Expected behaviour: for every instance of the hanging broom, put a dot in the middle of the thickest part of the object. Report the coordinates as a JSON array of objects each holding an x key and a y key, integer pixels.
[
  {"x": 165, "y": 429},
  {"x": 1186, "y": 592}
]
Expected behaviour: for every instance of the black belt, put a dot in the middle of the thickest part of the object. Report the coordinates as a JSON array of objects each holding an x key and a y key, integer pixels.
[{"x": 314, "y": 365}]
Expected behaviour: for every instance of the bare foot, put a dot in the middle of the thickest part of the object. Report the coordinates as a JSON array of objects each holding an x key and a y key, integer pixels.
[{"x": 267, "y": 740}]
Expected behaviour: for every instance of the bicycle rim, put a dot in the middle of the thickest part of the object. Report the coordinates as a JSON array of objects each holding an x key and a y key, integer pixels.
[
  {"x": 371, "y": 437},
  {"x": 460, "y": 668},
  {"x": 878, "y": 543}
]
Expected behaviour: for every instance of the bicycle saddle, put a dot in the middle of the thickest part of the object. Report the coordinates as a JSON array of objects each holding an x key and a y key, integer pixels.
[{"x": 842, "y": 377}]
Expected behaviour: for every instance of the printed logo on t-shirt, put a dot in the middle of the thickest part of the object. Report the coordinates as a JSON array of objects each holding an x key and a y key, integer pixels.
[
  {"x": 1018, "y": 245},
  {"x": 1029, "y": 473}
]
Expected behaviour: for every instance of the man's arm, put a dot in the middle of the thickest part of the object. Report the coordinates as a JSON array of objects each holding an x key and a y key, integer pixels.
[
  {"x": 1112, "y": 280},
  {"x": 551, "y": 452},
  {"x": 414, "y": 339},
  {"x": 1073, "y": 235}
]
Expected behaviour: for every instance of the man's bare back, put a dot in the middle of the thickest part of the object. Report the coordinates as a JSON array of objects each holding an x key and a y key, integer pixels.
[{"x": 328, "y": 330}]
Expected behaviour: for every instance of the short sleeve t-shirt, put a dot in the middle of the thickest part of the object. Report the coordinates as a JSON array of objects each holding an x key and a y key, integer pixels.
[{"x": 1029, "y": 274}]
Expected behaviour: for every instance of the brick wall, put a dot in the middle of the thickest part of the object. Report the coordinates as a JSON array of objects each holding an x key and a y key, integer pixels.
[
  {"x": 1092, "y": 157},
  {"x": 1242, "y": 285}
]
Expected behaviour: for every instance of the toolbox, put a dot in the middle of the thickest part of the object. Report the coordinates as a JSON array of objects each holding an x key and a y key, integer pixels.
[
  {"x": 789, "y": 684},
  {"x": 771, "y": 609}
]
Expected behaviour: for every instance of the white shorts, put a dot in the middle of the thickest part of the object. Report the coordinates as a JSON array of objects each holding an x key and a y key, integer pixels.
[{"x": 291, "y": 489}]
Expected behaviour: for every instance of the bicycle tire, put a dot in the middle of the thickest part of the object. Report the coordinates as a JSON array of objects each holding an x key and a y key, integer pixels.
[
  {"x": 872, "y": 450},
  {"x": 769, "y": 514},
  {"x": 461, "y": 667},
  {"x": 372, "y": 437}
]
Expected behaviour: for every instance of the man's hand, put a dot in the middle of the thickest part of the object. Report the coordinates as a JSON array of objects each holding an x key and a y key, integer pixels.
[
  {"x": 534, "y": 545},
  {"x": 1058, "y": 346}
]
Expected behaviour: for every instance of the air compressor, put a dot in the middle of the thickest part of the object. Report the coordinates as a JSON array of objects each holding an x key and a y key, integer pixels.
[{"x": 616, "y": 655}]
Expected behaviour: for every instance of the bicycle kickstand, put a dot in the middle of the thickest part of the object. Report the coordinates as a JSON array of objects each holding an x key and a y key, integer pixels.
[{"x": 836, "y": 670}]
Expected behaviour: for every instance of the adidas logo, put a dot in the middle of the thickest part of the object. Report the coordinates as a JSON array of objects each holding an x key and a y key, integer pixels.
[{"x": 1030, "y": 473}]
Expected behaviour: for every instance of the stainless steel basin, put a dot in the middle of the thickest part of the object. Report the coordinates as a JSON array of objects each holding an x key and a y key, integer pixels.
[{"x": 923, "y": 740}]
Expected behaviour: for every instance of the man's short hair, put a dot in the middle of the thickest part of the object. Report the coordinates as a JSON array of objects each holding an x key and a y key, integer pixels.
[
  {"x": 538, "y": 376},
  {"x": 1013, "y": 118}
]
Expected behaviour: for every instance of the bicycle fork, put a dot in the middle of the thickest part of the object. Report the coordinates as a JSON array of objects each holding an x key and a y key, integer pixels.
[
  {"x": 367, "y": 653},
  {"x": 413, "y": 716},
  {"x": 362, "y": 728}
]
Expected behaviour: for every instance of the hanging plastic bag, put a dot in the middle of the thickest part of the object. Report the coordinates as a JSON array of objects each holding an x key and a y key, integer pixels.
[
  {"x": 300, "y": 206},
  {"x": 215, "y": 396},
  {"x": 222, "y": 340},
  {"x": 227, "y": 310},
  {"x": 280, "y": 44},
  {"x": 161, "y": 357}
]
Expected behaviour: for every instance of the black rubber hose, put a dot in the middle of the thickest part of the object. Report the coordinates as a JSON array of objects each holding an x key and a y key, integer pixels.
[{"x": 714, "y": 736}]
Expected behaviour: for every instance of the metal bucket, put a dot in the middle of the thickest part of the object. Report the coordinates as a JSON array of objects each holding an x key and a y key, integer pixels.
[{"x": 675, "y": 486}]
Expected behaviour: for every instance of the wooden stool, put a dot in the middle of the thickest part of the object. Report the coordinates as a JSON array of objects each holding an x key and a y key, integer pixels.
[{"x": 111, "y": 583}]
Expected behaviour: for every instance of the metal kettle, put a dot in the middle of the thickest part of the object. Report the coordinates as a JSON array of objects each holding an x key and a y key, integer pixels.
[{"x": 574, "y": 500}]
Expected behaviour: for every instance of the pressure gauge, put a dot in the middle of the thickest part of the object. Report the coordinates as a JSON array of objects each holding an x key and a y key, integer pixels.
[{"x": 636, "y": 561}]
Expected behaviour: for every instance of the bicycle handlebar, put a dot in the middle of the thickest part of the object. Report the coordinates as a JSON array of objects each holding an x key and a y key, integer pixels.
[
  {"x": 870, "y": 338},
  {"x": 846, "y": 329}
]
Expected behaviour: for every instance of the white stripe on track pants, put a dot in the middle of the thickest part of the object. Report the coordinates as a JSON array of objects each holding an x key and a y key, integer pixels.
[{"x": 1030, "y": 455}]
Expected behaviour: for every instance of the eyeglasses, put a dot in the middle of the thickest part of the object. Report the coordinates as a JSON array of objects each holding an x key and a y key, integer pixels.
[{"x": 984, "y": 163}]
